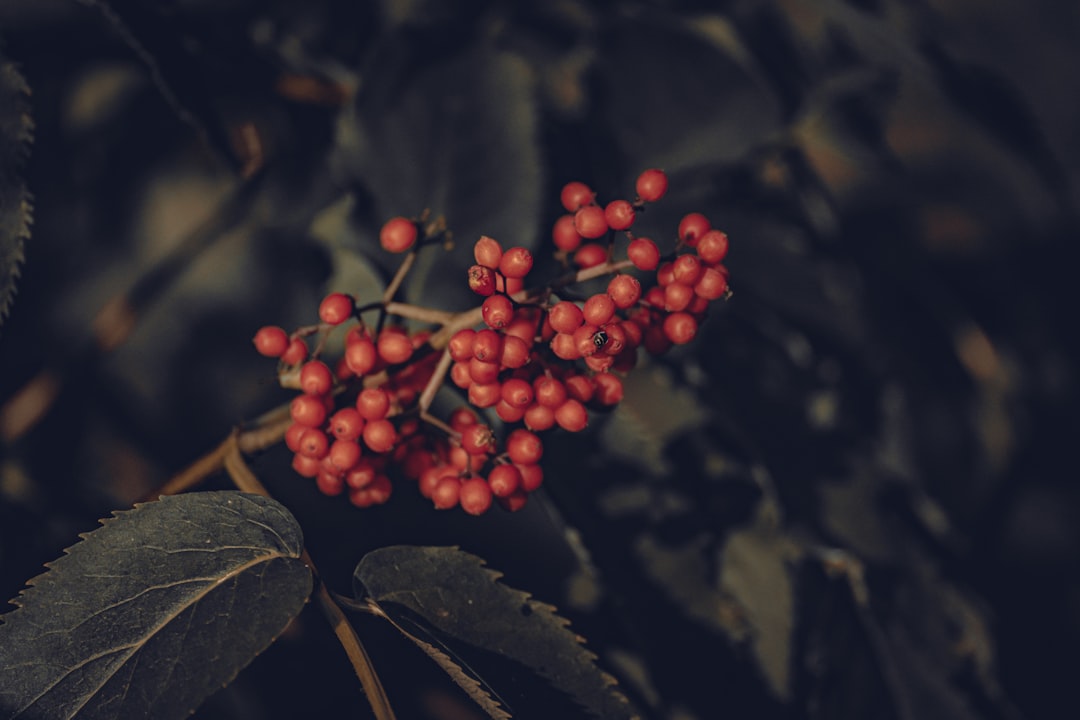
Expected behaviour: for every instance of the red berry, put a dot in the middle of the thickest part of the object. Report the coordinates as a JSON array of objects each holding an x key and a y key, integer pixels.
[
  {"x": 517, "y": 392},
  {"x": 523, "y": 325},
  {"x": 532, "y": 476},
  {"x": 487, "y": 345},
  {"x": 580, "y": 387},
  {"x": 599, "y": 362},
  {"x": 576, "y": 195},
  {"x": 336, "y": 308},
  {"x": 394, "y": 346},
  {"x": 509, "y": 413},
  {"x": 478, "y": 440},
  {"x": 361, "y": 356},
  {"x": 475, "y": 496},
  {"x": 692, "y": 227},
  {"x": 619, "y": 215},
  {"x": 549, "y": 391},
  {"x": 516, "y": 263},
  {"x": 680, "y": 327},
  {"x": 677, "y": 297},
  {"x": 314, "y": 443},
  {"x": 497, "y": 311},
  {"x": 524, "y": 447},
  {"x": 308, "y": 410},
  {"x": 565, "y": 235},
  {"x": 293, "y": 435},
  {"x": 329, "y": 484},
  {"x": 271, "y": 341},
  {"x": 665, "y": 274},
  {"x": 565, "y": 317},
  {"x": 539, "y": 417},
  {"x": 598, "y": 309},
  {"x": 446, "y": 492},
  {"x": 515, "y": 352},
  {"x": 360, "y": 475},
  {"x": 488, "y": 252},
  {"x": 316, "y": 378},
  {"x": 590, "y": 255},
  {"x": 624, "y": 290},
  {"x": 305, "y": 466},
  {"x": 609, "y": 389},
  {"x": 380, "y": 436},
  {"x": 712, "y": 247},
  {"x": 398, "y": 234},
  {"x": 485, "y": 395},
  {"x": 515, "y": 502},
  {"x": 347, "y": 424},
  {"x": 571, "y": 415},
  {"x": 687, "y": 269},
  {"x": 461, "y": 344},
  {"x": 711, "y": 285},
  {"x": 616, "y": 337},
  {"x": 651, "y": 185},
  {"x": 483, "y": 371},
  {"x": 655, "y": 297},
  {"x": 482, "y": 280},
  {"x": 373, "y": 403},
  {"x": 462, "y": 418},
  {"x": 344, "y": 454},
  {"x": 590, "y": 222},
  {"x": 460, "y": 376},
  {"x": 587, "y": 341},
  {"x": 380, "y": 490},
  {"x": 564, "y": 347},
  {"x": 504, "y": 480},
  {"x": 296, "y": 353},
  {"x": 643, "y": 253}
]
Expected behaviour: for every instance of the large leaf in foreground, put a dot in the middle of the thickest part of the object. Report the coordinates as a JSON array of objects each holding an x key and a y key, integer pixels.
[
  {"x": 154, "y": 610},
  {"x": 468, "y": 615},
  {"x": 16, "y": 130}
]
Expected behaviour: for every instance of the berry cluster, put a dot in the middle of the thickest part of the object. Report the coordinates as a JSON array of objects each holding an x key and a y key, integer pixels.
[{"x": 533, "y": 359}]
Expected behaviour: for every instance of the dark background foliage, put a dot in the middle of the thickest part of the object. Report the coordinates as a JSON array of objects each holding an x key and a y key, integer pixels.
[{"x": 853, "y": 497}]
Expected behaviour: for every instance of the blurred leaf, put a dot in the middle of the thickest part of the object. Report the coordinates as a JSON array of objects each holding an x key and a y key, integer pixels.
[
  {"x": 16, "y": 132},
  {"x": 154, "y": 610},
  {"x": 458, "y": 137},
  {"x": 453, "y": 592}
]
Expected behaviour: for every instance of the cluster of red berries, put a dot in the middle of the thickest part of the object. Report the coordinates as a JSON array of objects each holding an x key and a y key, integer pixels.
[{"x": 534, "y": 361}]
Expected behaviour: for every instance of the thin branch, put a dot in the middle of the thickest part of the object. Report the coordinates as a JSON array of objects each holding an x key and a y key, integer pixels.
[
  {"x": 435, "y": 382},
  {"x": 399, "y": 276},
  {"x": 423, "y": 314}
]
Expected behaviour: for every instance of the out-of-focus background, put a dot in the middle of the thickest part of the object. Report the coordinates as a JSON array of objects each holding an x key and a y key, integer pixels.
[{"x": 854, "y": 496}]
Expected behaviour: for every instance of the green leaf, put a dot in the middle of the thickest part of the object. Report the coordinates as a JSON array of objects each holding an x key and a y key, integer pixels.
[
  {"x": 153, "y": 611},
  {"x": 452, "y": 592},
  {"x": 16, "y": 132}
]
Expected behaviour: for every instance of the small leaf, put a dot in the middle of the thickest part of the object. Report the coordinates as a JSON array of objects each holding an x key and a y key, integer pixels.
[
  {"x": 153, "y": 611},
  {"x": 453, "y": 592},
  {"x": 16, "y": 132}
]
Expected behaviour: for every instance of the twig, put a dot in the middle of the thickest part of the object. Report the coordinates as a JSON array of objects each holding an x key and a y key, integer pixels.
[
  {"x": 423, "y": 314},
  {"x": 434, "y": 382}
]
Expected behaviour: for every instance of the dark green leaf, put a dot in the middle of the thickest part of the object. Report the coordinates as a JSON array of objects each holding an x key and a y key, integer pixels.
[
  {"x": 460, "y": 599},
  {"x": 154, "y": 610},
  {"x": 16, "y": 130}
]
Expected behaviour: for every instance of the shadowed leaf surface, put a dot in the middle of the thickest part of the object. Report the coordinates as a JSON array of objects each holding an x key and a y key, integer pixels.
[
  {"x": 16, "y": 130},
  {"x": 460, "y": 598},
  {"x": 154, "y": 610}
]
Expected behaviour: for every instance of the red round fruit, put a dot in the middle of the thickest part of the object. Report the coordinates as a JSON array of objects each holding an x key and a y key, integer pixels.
[
  {"x": 398, "y": 234},
  {"x": 305, "y": 466},
  {"x": 394, "y": 346},
  {"x": 475, "y": 496},
  {"x": 515, "y": 352},
  {"x": 478, "y": 440},
  {"x": 336, "y": 308},
  {"x": 497, "y": 311},
  {"x": 344, "y": 454},
  {"x": 361, "y": 356},
  {"x": 516, "y": 263},
  {"x": 293, "y": 435},
  {"x": 651, "y": 185},
  {"x": 488, "y": 252},
  {"x": 446, "y": 492},
  {"x": 482, "y": 280},
  {"x": 532, "y": 476},
  {"x": 565, "y": 235},
  {"x": 517, "y": 392},
  {"x": 598, "y": 309},
  {"x": 677, "y": 297},
  {"x": 576, "y": 195},
  {"x": 515, "y": 502},
  {"x": 461, "y": 344},
  {"x": 643, "y": 253},
  {"x": 380, "y": 436},
  {"x": 373, "y": 403},
  {"x": 487, "y": 345},
  {"x": 624, "y": 290},
  {"x": 316, "y": 378},
  {"x": 712, "y": 284},
  {"x": 329, "y": 484},
  {"x": 587, "y": 341},
  {"x": 539, "y": 417},
  {"x": 619, "y": 215},
  {"x": 591, "y": 222},
  {"x": 308, "y": 410},
  {"x": 483, "y": 371},
  {"x": 549, "y": 391},
  {"x": 665, "y": 274},
  {"x": 687, "y": 269},
  {"x": 504, "y": 480},
  {"x": 524, "y": 447},
  {"x": 484, "y": 395},
  {"x": 616, "y": 337},
  {"x": 347, "y": 424},
  {"x": 590, "y": 255},
  {"x": 580, "y": 387},
  {"x": 564, "y": 347},
  {"x": 296, "y": 353},
  {"x": 314, "y": 444},
  {"x": 462, "y": 418},
  {"x": 565, "y": 317},
  {"x": 571, "y": 415},
  {"x": 680, "y": 327},
  {"x": 692, "y": 227},
  {"x": 460, "y": 376},
  {"x": 712, "y": 247},
  {"x": 271, "y": 341},
  {"x": 508, "y": 413},
  {"x": 609, "y": 389}
]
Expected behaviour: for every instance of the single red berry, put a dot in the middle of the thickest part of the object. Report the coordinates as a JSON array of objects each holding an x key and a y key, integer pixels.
[
  {"x": 329, "y": 484},
  {"x": 373, "y": 403},
  {"x": 461, "y": 344},
  {"x": 680, "y": 327},
  {"x": 515, "y": 352},
  {"x": 394, "y": 346},
  {"x": 488, "y": 252},
  {"x": 588, "y": 340},
  {"x": 712, "y": 247},
  {"x": 590, "y": 222},
  {"x": 509, "y": 413},
  {"x": 308, "y": 410},
  {"x": 446, "y": 492},
  {"x": 576, "y": 195},
  {"x": 316, "y": 378},
  {"x": 609, "y": 389},
  {"x": 600, "y": 362},
  {"x": 619, "y": 215},
  {"x": 665, "y": 274},
  {"x": 484, "y": 371},
  {"x": 487, "y": 345},
  {"x": 515, "y": 502},
  {"x": 539, "y": 417},
  {"x": 643, "y": 253},
  {"x": 590, "y": 255},
  {"x": 336, "y": 308},
  {"x": 624, "y": 290},
  {"x": 314, "y": 443},
  {"x": 475, "y": 496},
  {"x": 712, "y": 284},
  {"x": 532, "y": 476},
  {"x": 517, "y": 392},
  {"x": 565, "y": 235},
  {"x": 692, "y": 227},
  {"x": 460, "y": 376},
  {"x": 549, "y": 391},
  {"x": 482, "y": 280},
  {"x": 504, "y": 480},
  {"x": 655, "y": 297},
  {"x": 380, "y": 490},
  {"x": 361, "y": 474},
  {"x": 431, "y": 477},
  {"x": 380, "y": 436},
  {"x": 651, "y": 185},
  {"x": 564, "y": 346},
  {"x": 296, "y": 353},
  {"x": 633, "y": 333},
  {"x": 524, "y": 447},
  {"x": 565, "y": 316},
  {"x": 361, "y": 356},
  {"x": 677, "y": 297},
  {"x": 524, "y": 323},
  {"x": 497, "y": 311},
  {"x": 615, "y": 337},
  {"x": 687, "y": 269},
  {"x": 461, "y": 460},
  {"x": 398, "y": 234},
  {"x": 478, "y": 440},
  {"x": 347, "y": 424},
  {"x": 516, "y": 263},
  {"x": 598, "y": 309},
  {"x": 305, "y": 466},
  {"x": 484, "y": 395},
  {"x": 571, "y": 415},
  {"x": 580, "y": 387},
  {"x": 292, "y": 436},
  {"x": 344, "y": 454},
  {"x": 271, "y": 341}
]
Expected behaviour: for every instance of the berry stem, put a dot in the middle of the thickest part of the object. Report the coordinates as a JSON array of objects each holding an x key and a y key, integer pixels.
[
  {"x": 434, "y": 382},
  {"x": 416, "y": 312}
]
